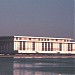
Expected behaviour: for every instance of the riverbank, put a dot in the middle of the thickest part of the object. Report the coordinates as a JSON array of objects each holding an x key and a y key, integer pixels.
[{"x": 37, "y": 56}]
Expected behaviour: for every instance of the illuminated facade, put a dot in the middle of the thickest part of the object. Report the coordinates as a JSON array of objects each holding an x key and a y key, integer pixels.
[{"x": 29, "y": 44}]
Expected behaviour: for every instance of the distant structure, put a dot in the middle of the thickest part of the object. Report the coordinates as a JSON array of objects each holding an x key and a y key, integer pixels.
[{"x": 29, "y": 44}]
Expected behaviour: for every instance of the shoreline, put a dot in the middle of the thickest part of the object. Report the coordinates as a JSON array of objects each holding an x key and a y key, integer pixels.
[{"x": 36, "y": 56}]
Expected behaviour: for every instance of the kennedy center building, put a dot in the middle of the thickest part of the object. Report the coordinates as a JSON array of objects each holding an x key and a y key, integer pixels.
[{"x": 30, "y": 44}]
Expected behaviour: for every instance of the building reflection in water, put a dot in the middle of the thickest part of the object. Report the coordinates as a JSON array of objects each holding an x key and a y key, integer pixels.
[
  {"x": 9, "y": 66},
  {"x": 44, "y": 68}
]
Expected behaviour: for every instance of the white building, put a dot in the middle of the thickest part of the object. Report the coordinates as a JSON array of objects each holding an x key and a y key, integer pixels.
[{"x": 29, "y": 44}]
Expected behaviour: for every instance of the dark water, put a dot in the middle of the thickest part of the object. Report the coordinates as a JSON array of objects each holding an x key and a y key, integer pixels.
[{"x": 10, "y": 66}]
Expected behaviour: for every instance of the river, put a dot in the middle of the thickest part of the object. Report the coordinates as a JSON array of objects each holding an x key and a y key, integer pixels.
[{"x": 37, "y": 66}]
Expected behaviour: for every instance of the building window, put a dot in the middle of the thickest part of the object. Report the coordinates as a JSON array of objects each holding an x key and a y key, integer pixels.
[
  {"x": 23, "y": 45},
  {"x": 51, "y": 46},
  {"x": 42, "y": 46},
  {"x": 60, "y": 46},
  {"x": 29, "y": 38},
  {"x": 56, "y": 39},
  {"x": 44, "y": 39},
  {"x": 64, "y": 40},
  {"x": 16, "y": 38},
  {"x": 48, "y": 46},
  {"x": 52, "y": 40},
  {"x": 19, "y": 38},
  {"x": 39, "y": 39},
  {"x": 47, "y": 39},
  {"x": 45, "y": 46},
  {"x": 20, "y": 45},
  {"x": 33, "y": 45},
  {"x": 68, "y": 40}
]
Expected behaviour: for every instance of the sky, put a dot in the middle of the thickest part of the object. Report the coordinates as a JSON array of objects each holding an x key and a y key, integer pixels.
[
  {"x": 49, "y": 18},
  {"x": 74, "y": 19}
]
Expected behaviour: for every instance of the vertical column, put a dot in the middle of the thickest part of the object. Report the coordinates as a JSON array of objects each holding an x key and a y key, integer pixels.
[
  {"x": 31, "y": 46},
  {"x": 18, "y": 45},
  {"x": 36, "y": 46},
  {"x": 40, "y": 46},
  {"x": 73, "y": 46},
  {"x": 26, "y": 44},
  {"x": 68, "y": 47}
]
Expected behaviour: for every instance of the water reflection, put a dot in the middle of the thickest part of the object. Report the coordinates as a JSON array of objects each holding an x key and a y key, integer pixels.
[
  {"x": 6, "y": 66},
  {"x": 37, "y": 66},
  {"x": 44, "y": 67}
]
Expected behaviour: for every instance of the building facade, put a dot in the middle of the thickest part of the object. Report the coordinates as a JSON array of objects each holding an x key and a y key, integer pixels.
[{"x": 29, "y": 44}]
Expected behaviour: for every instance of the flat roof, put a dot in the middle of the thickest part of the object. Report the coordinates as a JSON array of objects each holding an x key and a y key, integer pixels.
[
  {"x": 45, "y": 37},
  {"x": 40, "y": 37}
]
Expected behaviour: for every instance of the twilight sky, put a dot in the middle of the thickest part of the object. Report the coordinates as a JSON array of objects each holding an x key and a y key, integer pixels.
[{"x": 52, "y": 18}]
